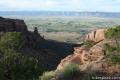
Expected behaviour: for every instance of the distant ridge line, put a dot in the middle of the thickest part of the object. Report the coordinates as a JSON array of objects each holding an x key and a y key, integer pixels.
[{"x": 61, "y": 13}]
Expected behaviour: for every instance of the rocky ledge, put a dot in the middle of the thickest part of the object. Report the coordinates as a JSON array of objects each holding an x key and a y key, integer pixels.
[
  {"x": 91, "y": 59},
  {"x": 96, "y": 36},
  {"x": 11, "y": 25}
]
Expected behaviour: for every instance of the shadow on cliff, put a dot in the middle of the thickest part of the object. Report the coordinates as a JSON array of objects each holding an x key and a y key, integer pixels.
[
  {"x": 60, "y": 49},
  {"x": 48, "y": 52}
]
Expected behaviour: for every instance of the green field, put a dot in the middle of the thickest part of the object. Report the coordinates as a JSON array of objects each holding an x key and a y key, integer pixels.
[
  {"x": 67, "y": 29},
  {"x": 70, "y": 24}
]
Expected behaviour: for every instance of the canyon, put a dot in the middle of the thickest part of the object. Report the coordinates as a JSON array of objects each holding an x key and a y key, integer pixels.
[{"x": 89, "y": 57}]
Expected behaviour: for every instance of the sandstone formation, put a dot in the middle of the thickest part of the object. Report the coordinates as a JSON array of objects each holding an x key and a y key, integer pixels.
[
  {"x": 93, "y": 58},
  {"x": 83, "y": 56},
  {"x": 96, "y": 36}
]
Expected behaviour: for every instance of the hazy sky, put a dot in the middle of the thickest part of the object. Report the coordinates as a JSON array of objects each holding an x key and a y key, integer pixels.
[{"x": 61, "y": 5}]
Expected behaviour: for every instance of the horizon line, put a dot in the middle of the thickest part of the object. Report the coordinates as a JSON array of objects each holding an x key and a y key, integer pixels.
[{"x": 55, "y": 11}]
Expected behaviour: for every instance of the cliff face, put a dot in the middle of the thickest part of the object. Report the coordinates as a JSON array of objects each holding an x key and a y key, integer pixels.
[
  {"x": 91, "y": 59},
  {"x": 11, "y": 25},
  {"x": 48, "y": 52},
  {"x": 96, "y": 36},
  {"x": 16, "y": 25}
]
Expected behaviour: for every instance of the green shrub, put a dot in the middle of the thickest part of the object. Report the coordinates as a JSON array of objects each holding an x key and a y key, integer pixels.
[
  {"x": 112, "y": 53},
  {"x": 70, "y": 71},
  {"x": 114, "y": 33},
  {"x": 13, "y": 64},
  {"x": 17, "y": 67},
  {"x": 11, "y": 40},
  {"x": 47, "y": 75},
  {"x": 109, "y": 49},
  {"x": 89, "y": 44},
  {"x": 114, "y": 58}
]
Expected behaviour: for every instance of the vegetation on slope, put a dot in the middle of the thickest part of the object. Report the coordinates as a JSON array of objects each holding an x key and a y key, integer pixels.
[
  {"x": 113, "y": 52},
  {"x": 68, "y": 73},
  {"x": 89, "y": 44},
  {"x": 13, "y": 64}
]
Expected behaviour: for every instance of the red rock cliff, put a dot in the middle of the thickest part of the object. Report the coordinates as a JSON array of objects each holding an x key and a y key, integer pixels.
[
  {"x": 92, "y": 58},
  {"x": 96, "y": 36}
]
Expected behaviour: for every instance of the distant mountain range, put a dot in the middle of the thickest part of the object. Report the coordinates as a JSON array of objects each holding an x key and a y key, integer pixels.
[{"x": 60, "y": 13}]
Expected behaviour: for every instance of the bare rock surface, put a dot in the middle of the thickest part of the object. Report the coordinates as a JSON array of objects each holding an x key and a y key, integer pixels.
[
  {"x": 96, "y": 36},
  {"x": 90, "y": 59}
]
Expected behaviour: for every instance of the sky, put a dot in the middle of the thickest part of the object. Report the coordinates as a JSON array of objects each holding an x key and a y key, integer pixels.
[{"x": 60, "y": 5}]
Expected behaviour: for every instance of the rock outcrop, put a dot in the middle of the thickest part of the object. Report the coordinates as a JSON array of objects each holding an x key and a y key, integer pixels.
[
  {"x": 11, "y": 25},
  {"x": 16, "y": 25},
  {"x": 96, "y": 36},
  {"x": 90, "y": 59},
  {"x": 83, "y": 56}
]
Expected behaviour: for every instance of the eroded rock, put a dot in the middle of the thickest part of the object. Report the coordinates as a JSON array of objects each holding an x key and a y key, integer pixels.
[
  {"x": 96, "y": 36},
  {"x": 83, "y": 56}
]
